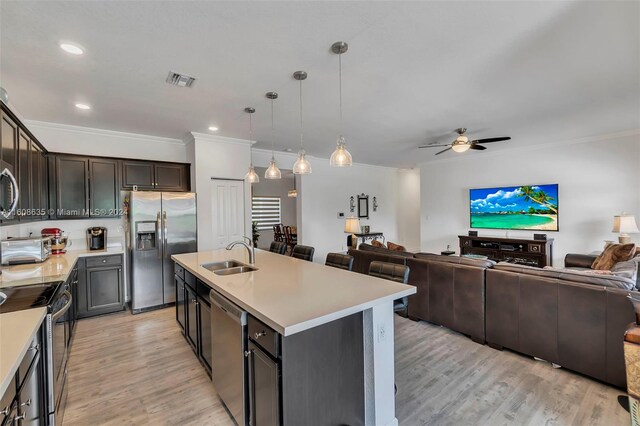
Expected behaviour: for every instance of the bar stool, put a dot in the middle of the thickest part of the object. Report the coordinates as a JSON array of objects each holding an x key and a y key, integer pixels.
[
  {"x": 278, "y": 247},
  {"x": 339, "y": 260},
  {"x": 303, "y": 252}
]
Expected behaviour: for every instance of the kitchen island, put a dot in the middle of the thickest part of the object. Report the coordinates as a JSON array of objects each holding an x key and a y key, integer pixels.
[{"x": 335, "y": 333}]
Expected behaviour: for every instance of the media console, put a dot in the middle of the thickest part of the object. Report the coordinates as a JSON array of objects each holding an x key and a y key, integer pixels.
[{"x": 514, "y": 250}]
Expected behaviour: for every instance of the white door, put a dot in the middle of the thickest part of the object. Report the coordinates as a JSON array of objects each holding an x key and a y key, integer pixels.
[{"x": 227, "y": 211}]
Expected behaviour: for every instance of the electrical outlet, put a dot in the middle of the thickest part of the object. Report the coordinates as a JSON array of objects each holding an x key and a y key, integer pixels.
[{"x": 382, "y": 333}]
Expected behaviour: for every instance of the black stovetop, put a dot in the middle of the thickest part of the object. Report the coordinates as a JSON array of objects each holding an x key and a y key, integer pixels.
[{"x": 28, "y": 296}]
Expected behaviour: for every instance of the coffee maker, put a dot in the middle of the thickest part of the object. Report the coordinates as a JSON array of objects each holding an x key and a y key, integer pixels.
[{"x": 97, "y": 238}]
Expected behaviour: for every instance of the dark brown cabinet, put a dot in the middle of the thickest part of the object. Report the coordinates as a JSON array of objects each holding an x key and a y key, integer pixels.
[
  {"x": 100, "y": 285},
  {"x": 24, "y": 175},
  {"x": 104, "y": 188},
  {"x": 146, "y": 175},
  {"x": 8, "y": 158},
  {"x": 72, "y": 186},
  {"x": 191, "y": 308},
  {"x": 538, "y": 253},
  {"x": 264, "y": 387},
  {"x": 180, "y": 303}
]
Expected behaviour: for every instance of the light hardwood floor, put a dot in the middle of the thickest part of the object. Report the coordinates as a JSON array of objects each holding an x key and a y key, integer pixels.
[{"x": 139, "y": 370}]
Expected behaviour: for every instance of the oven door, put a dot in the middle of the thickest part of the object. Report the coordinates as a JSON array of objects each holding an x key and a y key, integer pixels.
[{"x": 60, "y": 331}]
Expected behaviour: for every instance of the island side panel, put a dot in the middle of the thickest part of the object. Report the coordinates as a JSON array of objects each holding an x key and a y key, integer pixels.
[
  {"x": 323, "y": 374},
  {"x": 379, "y": 365}
]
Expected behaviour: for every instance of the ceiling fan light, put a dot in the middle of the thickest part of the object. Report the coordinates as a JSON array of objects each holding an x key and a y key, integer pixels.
[
  {"x": 273, "y": 172},
  {"x": 301, "y": 166},
  {"x": 460, "y": 147},
  {"x": 341, "y": 157},
  {"x": 252, "y": 176}
]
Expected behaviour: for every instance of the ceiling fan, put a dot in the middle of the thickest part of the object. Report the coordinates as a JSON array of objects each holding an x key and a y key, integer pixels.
[{"x": 462, "y": 143}]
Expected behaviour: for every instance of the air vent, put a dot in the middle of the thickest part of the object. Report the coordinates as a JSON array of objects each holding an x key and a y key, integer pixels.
[{"x": 180, "y": 80}]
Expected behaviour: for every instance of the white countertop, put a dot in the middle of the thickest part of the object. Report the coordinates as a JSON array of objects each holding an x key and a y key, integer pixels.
[
  {"x": 292, "y": 295},
  {"x": 17, "y": 330},
  {"x": 55, "y": 268}
]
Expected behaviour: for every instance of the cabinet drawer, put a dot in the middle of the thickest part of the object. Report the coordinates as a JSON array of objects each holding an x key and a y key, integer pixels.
[
  {"x": 190, "y": 279},
  {"x": 32, "y": 352},
  {"x": 179, "y": 271},
  {"x": 264, "y": 336},
  {"x": 95, "y": 261},
  {"x": 203, "y": 291}
]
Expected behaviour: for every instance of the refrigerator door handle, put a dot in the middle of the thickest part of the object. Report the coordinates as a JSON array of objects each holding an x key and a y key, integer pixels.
[
  {"x": 164, "y": 232},
  {"x": 159, "y": 235}
]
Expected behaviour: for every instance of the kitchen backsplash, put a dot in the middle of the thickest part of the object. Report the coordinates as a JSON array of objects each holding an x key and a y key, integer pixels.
[{"x": 76, "y": 230}]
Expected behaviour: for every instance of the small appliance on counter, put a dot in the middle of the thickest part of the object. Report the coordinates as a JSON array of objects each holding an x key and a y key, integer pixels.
[
  {"x": 58, "y": 240},
  {"x": 97, "y": 238},
  {"x": 25, "y": 250}
]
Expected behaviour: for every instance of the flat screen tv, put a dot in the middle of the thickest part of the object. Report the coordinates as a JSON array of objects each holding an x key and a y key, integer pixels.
[{"x": 515, "y": 207}]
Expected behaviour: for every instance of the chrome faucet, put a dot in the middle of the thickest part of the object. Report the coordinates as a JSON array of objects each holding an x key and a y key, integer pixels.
[{"x": 250, "y": 248}]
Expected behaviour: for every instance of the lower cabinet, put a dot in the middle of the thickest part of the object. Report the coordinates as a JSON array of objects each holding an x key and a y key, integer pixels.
[
  {"x": 193, "y": 314},
  {"x": 100, "y": 285},
  {"x": 264, "y": 387},
  {"x": 23, "y": 403}
]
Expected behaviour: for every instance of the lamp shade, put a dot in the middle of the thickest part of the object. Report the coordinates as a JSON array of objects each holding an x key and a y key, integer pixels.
[
  {"x": 352, "y": 225},
  {"x": 625, "y": 224}
]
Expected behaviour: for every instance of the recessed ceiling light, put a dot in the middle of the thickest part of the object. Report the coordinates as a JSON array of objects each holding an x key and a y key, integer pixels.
[
  {"x": 71, "y": 48},
  {"x": 213, "y": 128},
  {"x": 83, "y": 106}
]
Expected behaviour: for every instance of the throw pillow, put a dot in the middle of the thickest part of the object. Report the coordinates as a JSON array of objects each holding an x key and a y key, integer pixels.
[
  {"x": 395, "y": 247},
  {"x": 613, "y": 254},
  {"x": 628, "y": 269},
  {"x": 377, "y": 243}
]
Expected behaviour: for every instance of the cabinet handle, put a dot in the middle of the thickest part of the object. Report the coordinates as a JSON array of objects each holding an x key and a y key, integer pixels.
[
  {"x": 5, "y": 411},
  {"x": 27, "y": 403},
  {"x": 20, "y": 417},
  {"x": 35, "y": 348},
  {"x": 104, "y": 260},
  {"x": 258, "y": 335}
]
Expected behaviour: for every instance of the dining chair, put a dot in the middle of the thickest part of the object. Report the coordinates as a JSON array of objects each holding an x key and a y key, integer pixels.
[
  {"x": 303, "y": 252},
  {"x": 393, "y": 272},
  {"x": 339, "y": 260},
  {"x": 289, "y": 239},
  {"x": 277, "y": 233},
  {"x": 278, "y": 247}
]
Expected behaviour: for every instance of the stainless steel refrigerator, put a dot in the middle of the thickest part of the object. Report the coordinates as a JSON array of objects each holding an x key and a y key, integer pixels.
[{"x": 159, "y": 224}]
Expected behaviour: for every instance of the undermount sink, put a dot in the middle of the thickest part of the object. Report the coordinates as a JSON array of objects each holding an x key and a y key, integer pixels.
[
  {"x": 235, "y": 270},
  {"x": 3, "y": 297},
  {"x": 216, "y": 266}
]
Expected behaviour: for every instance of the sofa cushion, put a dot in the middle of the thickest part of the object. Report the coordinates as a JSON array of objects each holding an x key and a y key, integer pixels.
[
  {"x": 573, "y": 275},
  {"x": 395, "y": 247},
  {"x": 480, "y": 263},
  {"x": 627, "y": 269},
  {"x": 613, "y": 254}
]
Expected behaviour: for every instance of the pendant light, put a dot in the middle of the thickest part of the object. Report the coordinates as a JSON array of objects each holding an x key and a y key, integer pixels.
[
  {"x": 301, "y": 166},
  {"x": 251, "y": 176},
  {"x": 273, "y": 172},
  {"x": 340, "y": 157}
]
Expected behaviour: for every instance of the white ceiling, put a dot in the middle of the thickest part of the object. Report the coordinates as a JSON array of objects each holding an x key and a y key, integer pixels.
[{"x": 536, "y": 71}]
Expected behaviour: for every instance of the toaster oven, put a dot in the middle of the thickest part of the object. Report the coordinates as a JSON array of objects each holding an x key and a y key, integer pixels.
[{"x": 25, "y": 250}]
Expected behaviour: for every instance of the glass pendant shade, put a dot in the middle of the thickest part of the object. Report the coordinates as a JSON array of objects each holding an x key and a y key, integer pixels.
[
  {"x": 252, "y": 176},
  {"x": 301, "y": 166},
  {"x": 341, "y": 157},
  {"x": 273, "y": 172}
]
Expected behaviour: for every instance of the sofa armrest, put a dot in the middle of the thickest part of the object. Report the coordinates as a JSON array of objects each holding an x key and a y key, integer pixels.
[{"x": 574, "y": 260}]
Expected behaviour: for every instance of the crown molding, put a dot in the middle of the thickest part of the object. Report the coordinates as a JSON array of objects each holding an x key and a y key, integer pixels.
[
  {"x": 543, "y": 146},
  {"x": 33, "y": 124},
  {"x": 193, "y": 136}
]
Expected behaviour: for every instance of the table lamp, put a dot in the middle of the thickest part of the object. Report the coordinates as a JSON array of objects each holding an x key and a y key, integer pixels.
[
  {"x": 352, "y": 226},
  {"x": 624, "y": 225}
]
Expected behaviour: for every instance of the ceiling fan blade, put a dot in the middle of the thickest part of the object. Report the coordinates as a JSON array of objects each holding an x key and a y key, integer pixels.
[
  {"x": 487, "y": 140},
  {"x": 434, "y": 145},
  {"x": 477, "y": 147},
  {"x": 444, "y": 150}
]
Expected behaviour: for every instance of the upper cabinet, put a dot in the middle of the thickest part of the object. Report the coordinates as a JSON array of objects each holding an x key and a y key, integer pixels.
[
  {"x": 104, "y": 187},
  {"x": 72, "y": 186},
  {"x": 146, "y": 175},
  {"x": 25, "y": 158}
]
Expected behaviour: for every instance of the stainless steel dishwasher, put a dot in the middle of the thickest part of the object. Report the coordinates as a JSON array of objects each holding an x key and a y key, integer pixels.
[{"x": 228, "y": 343}]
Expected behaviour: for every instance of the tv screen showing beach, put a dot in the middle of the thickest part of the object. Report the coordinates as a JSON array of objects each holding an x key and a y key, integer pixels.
[{"x": 515, "y": 207}]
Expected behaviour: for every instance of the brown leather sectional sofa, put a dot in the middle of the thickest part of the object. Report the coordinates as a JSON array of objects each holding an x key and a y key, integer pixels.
[{"x": 568, "y": 318}]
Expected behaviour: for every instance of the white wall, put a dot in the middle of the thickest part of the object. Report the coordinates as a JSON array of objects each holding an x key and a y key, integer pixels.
[
  {"x": 106, "y": 143},
  {"x": 598, "y": 178},
  {"x": 408, "y": 207},
  {"x": 216, "y": 157},
  {"x": 326, "y": 191}
]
